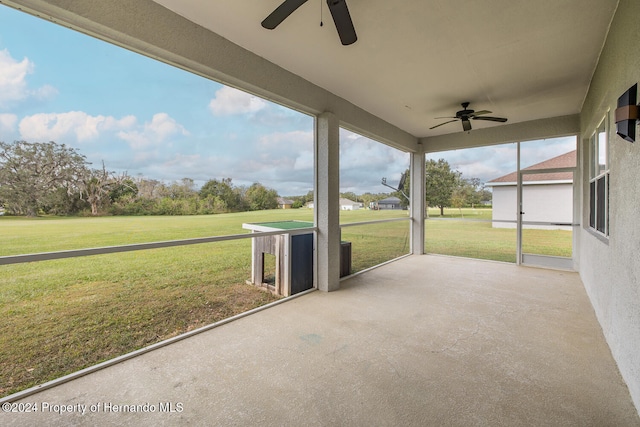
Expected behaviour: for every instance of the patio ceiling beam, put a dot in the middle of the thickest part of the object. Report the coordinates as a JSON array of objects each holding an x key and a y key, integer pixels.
[{"x": 516, "y": 132}]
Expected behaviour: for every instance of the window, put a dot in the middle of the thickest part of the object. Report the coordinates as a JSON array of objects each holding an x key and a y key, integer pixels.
[{"x": 599, "y": 179}]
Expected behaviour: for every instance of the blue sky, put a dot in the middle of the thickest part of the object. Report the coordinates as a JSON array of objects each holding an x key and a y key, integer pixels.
[{"x": 153, "y": 120}]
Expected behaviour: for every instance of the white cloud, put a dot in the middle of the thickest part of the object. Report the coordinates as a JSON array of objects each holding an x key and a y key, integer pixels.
[
  {"x": 364, "y": 162},
  {"x": 158, "y": 130},
  {"x": 304, "y": 161},
  {"x": 229, "y": 101},
  {"x": 8, "y": 122},
  {"x": 45, "y": 92},
  {"x": 286, "y": 141},
  {"x": 280, "y": 153},
  {"x": 145, "y": 157},
  {"x": 366, "y": 154},
  {"x": 61, "y": 126},
  {"x": 187, "y": 162},
  {"x": 13, "y": 83}
]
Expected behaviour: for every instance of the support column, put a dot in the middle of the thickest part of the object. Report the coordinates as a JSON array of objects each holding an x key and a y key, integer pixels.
[
  {"x": 519, "y": 209},
  {"x": 417, "y": 195},
  {"x": 326, "y": 201}
]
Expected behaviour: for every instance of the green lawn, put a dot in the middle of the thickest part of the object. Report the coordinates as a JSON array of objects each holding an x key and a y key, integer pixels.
[
  {"x": 63, "y": 315},
  {"x": 480, "y": 240}
]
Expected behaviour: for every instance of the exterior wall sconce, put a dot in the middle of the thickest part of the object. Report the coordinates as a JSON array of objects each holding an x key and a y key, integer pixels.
[{"x": 627, "y": 114}]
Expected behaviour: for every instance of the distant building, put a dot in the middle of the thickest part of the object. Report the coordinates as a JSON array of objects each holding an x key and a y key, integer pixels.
[
  {"x": 389, "y": 203},
  {"x": 349, "y": 205},
  {"x": 284, "y": 203},
  {"x": 546, "y": 197},
  {"x": 345, "y": 205}
]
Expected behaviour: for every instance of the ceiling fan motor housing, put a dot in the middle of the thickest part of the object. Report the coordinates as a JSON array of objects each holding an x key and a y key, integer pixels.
[{"x": 464, "y": 112}]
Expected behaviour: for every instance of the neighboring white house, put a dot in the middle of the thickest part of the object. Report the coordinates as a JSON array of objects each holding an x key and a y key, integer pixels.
[
  {"x": 345, "y": 205},
  {"x": 546, "y": 197},
  {"x": 349, "y": 205},
  {"x": 389, "y": 203}
]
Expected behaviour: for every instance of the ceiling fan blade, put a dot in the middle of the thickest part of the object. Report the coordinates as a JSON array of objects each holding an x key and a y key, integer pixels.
[
  {"x": 466, "y": 125},
  {"x": 448, "y": 117},
  {"x": 281, "y": 13},
  {"x": 479, "y": 113},
  {"x": 342, "y": 19},
  {"x": 450, "y": 121},
  {"x": 491, "y": 119}
]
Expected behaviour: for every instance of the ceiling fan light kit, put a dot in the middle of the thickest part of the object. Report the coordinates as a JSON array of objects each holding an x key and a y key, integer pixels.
[
  {"x": 466, "y": 115},
  {"x": 339, "y": 13}
]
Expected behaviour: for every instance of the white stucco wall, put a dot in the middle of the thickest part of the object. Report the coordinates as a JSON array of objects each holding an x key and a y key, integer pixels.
[
  {"x": 541, "y": 202},
  {"x": 610, "y": 268}
]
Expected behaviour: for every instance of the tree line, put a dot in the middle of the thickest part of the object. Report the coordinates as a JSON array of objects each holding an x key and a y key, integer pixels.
[{"x": 50, "y": 178}]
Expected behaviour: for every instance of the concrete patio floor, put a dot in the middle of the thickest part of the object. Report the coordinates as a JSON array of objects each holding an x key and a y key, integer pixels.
[{"x": 425, "y": 341}]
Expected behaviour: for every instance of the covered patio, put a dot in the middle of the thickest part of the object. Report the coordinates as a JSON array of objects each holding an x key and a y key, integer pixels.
[{"x": 426, "y": 340}]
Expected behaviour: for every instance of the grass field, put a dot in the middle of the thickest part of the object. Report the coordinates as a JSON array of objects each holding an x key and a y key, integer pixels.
[
  {"x": 481, "y": 240},
  {"x": 63, "y": 315}
]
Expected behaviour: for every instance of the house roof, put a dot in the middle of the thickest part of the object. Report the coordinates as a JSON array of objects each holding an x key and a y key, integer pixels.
[
  {"x": 344, "y": 202},
  {"x": 566, "y": 160},
  {"x": 283, "y": 201},
  {"x": 389, "y": 200}
]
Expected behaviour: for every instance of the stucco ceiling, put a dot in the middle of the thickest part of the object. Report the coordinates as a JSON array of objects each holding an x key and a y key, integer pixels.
[{"x": 419, "y": 59}]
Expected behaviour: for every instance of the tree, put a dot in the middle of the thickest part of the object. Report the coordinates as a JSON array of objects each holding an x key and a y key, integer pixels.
[
  {"x": 31, "y": 172},
  {"x": 369, "y": 197},
  {"x": 440, "y": 183},
  {"x": 301, "y": 201},
  {"x": 99, "y": 184},
  {"x": 95, "y": 187},
  {"x": 485, "y": 196},
  {"x": 148, "y": 188},
  {"x": 473, "y": 189},
  {"x": 125, "y": 188},
  {"x": 63, "y": 202},
  {"x": 224, "y": 191},
  {"x": 459, "y": 199},
  {"x": 179, "y": 190},
  {"x": 349, "y": 195},
  {"x": 259, "y": 197}
]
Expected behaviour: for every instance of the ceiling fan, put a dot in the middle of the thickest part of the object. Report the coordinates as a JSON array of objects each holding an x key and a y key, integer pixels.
[
  {"x": 339, "y": 12},
  {"x": 465, "y": 115}
]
